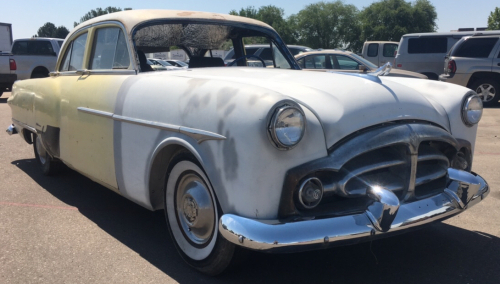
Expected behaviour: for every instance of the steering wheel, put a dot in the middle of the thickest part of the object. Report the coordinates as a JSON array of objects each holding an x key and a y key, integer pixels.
[{"x": 248, "y": 56}]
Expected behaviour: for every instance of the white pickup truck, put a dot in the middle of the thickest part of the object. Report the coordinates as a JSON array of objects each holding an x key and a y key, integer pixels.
[{"x": 29, "y": 58}]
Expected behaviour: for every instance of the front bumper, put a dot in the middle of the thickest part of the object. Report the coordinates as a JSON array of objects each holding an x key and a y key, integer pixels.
[{"x": 383, "y": 217}]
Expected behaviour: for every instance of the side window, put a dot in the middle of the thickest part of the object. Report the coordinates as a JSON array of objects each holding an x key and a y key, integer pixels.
[
  {"x": 428, "y": 45},
  {"x": 110, "y": 50},
  {"x": 476, "y": 47},
  {"x": 346, "y": 63},
  {"x": 301, "y": 62},
  {"x": 20, "y": 48},
  {"x": 372, "y": 50},
  {"x": 40, "y": 47},
  {"x": 315, "y": 62},
  {"x": 279, "y": 59},
  {"x": 73, "y": 59},
  {"x": 389, "y": 49}
]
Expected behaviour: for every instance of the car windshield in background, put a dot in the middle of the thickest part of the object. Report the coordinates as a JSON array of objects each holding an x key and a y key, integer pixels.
[{"x": 364, "y": 61}]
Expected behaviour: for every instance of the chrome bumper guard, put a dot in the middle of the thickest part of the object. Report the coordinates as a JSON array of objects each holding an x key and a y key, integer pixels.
[
  {"x": 11, "y": 129},
  {"x": 384, "y": 216}
]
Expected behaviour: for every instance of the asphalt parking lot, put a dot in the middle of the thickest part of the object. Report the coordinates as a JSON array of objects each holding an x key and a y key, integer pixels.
[{"x": 68, "y": 229}]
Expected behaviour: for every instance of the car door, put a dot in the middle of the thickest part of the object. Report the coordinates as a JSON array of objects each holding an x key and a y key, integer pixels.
[{"x": 94, "y": 67}]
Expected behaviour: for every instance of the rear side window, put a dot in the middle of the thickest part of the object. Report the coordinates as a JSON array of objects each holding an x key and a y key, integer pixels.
[
  {"x": 110, "y": 50},
  {"x": 372, "y": 50},
  {"x": 34, "y": 47},
  {"x": 476, "y": 47},
  {"x": 390, "y": 49},
  {"x": 428, "y": 45}
]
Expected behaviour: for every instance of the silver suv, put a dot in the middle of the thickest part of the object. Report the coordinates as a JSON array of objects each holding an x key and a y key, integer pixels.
[{"x": 474, "y": 62}]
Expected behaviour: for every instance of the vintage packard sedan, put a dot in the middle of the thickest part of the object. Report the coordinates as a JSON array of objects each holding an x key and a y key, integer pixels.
[{"x": 270, "y": 159}]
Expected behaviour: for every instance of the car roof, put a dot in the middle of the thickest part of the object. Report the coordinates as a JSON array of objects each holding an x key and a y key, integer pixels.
[
  {"x": 40, "y": 38},
  {"x": 132, "y": 18},
  {"x": 324, "y": 51},
  {"x": 453, "y": 33}
]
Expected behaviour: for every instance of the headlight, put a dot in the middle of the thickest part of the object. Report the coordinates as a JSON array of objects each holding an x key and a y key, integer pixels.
[
  {"x": 287, "y": 126},
  {"x": 472, "y": 110}
]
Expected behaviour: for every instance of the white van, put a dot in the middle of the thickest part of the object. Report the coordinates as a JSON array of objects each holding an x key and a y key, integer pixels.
[
  {"x": 424, "y": 52},
  {"x": 379, "y": 52}
]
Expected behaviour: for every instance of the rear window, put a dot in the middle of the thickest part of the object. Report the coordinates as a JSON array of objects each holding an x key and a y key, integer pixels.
[
  {"x": 33, "y": 47},
  {"x": 476, "y": 47},
  {"x": 248, "y": 51},
  {"x": 372, "y": 50},
  {"x": 428, "y": 45},
  {"x": 266, "y": 54}
]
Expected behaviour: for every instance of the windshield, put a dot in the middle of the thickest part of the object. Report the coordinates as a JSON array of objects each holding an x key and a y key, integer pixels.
[
  {"x": 364, "y": 61},
  {"x": 198, "y": 40}
]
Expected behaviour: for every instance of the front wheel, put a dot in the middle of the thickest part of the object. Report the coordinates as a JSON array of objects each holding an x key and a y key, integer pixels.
[
  {"x": 193, "y": 217},
  {"x": 48, "y": 165},
  {"x": 488, "y": 90}
]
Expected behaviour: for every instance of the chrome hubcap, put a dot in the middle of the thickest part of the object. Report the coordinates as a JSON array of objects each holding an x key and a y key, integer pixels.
[
  {"x": 195, "y": 210},
  {"x": 486, "y": 92},
  {"x": 40, "y": 150}
]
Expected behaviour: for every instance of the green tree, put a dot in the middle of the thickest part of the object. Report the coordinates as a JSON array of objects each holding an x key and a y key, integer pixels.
[
  {"x": 98, "y": 12},
  {"x": 50, "y": 30},
  {"x": 390, "y": 19},
  {"x": 494, "y": 20},
  {"x": 249, "y": 12},
  {"x": 328, "y": 25},
  {"x": 47, "y": 30}
]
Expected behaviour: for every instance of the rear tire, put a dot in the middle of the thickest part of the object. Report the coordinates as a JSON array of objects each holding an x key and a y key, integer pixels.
[
  {"x": 192, "y": 215},
  {"x": 49, "y": 165},
  {"x": 488, "y": 89}
]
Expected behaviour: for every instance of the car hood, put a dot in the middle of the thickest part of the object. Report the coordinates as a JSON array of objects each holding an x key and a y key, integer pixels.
[{"x": 343, "y": 103}]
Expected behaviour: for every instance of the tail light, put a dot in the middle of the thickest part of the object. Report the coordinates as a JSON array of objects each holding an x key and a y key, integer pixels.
[
  {"x": 12, "y": 64},
  {"x": 452, "y": 66}
]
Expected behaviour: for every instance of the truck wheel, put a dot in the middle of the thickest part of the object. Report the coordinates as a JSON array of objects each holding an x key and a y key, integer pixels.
[
  {"x": 488, "y": 90},
  {"x": 193, "y": 216},
  {"x": 40, "y": 75},
  {"x": 48, "y": 165}
]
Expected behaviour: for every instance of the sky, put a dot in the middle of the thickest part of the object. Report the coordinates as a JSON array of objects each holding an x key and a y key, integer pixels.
[{"x": 27, "y": 16}]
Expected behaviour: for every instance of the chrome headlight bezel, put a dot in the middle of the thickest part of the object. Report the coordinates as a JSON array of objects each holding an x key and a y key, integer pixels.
[
  {"x": 468, "y": 117},
  {"x": 274, "y": 116}
]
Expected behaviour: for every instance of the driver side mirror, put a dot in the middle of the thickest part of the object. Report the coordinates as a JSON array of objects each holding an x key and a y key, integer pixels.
[{"x": 362, "y": 68}]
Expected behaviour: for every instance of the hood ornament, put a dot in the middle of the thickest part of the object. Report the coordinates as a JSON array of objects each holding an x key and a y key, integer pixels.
[{"x": 383, "y": 70}]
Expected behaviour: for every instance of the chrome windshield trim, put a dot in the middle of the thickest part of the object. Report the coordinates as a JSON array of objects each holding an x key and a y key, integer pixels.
[
  {"x": 24, "y": 125},
  {"x": 198, "y": 134}
]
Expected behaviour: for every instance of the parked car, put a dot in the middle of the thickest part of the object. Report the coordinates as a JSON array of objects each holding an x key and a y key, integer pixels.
[
  {"x": 162, "y": 63},
  {"x": 424, "y": 52},
  {"x": 268, "y": 159},
  {"x": 264, "y": 52},
  {"x": 344, "y": 61},
  {"x": 380, "y": 52},
  {"x": 474, "y": 62},
  {"x": 178, "y": 63},
  {"x": 29, "y": 58}
]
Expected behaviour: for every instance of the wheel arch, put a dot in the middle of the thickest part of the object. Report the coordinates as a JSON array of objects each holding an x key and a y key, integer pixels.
[
  {"x": 482, "y": 75},
  {"x": 160, "y": 162},
  {"x": 39, "y": 70}
]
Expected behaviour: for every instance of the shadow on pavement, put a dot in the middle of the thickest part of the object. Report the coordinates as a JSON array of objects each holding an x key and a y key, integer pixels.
[
  {"x": 3, "y": 100},
  {"x": 438, "y": 253}
]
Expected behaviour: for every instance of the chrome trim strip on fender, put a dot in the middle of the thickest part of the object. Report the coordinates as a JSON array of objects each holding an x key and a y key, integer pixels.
[
  {"x": 385, "y": 216},
  {"x": 197, "y": 134}
]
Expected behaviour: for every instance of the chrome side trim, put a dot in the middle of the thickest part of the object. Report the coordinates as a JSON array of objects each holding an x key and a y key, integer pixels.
[
  {"x": 95, "y": 112},
  {"x": 197, "y": 134},
  {"x": 24, "y": 125},
  {"x": 385, "y": 216}
]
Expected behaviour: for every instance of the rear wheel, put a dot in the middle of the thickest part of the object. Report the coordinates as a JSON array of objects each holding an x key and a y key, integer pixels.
[
  {"x": 488, "y": 90},
  {"x": 48, "y": 164},
  {"x": 193, "y": 217}
]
